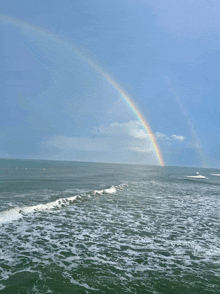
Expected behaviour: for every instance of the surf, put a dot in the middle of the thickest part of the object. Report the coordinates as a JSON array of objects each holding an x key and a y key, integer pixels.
[{"x": 13, "y": 214}]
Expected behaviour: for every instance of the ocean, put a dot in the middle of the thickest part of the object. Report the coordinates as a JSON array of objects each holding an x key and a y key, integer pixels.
[{"x": 77, "y": 227}]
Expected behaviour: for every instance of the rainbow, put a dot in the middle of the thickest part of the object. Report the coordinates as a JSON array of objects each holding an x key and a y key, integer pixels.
[
  {"x": 138, "y": 114},
  {"x": 26, "y": 26}
]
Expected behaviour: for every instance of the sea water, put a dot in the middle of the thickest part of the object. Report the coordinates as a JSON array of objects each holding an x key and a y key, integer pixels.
[{"x": 74, "y": 227}]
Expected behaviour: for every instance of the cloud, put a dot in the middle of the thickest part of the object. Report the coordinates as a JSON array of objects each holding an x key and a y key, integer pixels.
[
  {"x": 142, "y": 150},
  {"x": 161, "y": 136},
  {"x": 135, "y": 137},
  {"x": 118, "y": 142},
  {"x": 177, "y": 138},
  {"x": 164, "y": 137},
  {"x": 117, "y": 136},
  {"x": 132, "y": 129}
]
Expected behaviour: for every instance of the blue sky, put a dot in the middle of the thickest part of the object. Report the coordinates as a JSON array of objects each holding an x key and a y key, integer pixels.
[{"x": 165, "y": 54}]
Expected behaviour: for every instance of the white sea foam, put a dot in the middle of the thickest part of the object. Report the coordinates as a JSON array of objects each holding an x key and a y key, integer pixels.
[
  {"x": 110, "y": 190},
  {"x": 84, "y": 285},
  {"x": 139, "y": 243},
  {"x": 16, "y": 213},
  {"x": 197, "y": 177},
  {"x": 172, "y": 232},
  {"x": 51, "y": 205},
  {"x": 216, "y": 175},
  {"x": 10, "y": 215},
  {"x": 98, "y": 192}
]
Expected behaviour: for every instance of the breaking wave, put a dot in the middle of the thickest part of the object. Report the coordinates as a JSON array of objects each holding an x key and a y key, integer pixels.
[
  {"x": 197, "y": 177},
  {"x": 16, "y": 213}
]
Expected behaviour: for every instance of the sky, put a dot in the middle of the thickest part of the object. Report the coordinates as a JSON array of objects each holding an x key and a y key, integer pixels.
[{"x": 56, "y": 102}]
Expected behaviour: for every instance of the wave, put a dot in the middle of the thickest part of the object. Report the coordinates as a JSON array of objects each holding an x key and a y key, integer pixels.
[
  {"x": 16, "y": 213},
  {"x": 107, "y": 191},
  {"x": 216, "y": 175},
  {"x": 197, "y": 177}
]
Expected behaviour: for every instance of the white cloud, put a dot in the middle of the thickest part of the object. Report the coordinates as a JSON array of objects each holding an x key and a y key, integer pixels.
[
  {"x": 161, "y": 136},
  {"x": 177, "y": 138},
  {"x": 118, "y": 142},
  {"x": 164, "y": 137},
  {"x": 139, "y": 149},
  {"x": 132, "y": 128}
]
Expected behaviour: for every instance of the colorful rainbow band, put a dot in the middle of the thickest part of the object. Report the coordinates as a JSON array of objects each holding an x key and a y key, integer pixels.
[
  {"x": 140, "y": 117},
  {"x": 126, "y": 97}
]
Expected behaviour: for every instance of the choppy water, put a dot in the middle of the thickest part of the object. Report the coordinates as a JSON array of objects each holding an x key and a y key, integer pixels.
[{"x": 104, "y": 228}]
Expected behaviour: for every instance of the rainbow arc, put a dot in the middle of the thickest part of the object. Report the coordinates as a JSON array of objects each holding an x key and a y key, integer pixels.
[{"x": 23, "y": 25}]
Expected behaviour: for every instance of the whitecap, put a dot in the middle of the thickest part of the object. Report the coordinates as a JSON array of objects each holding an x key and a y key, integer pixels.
[
  {"x": 9, "y": 215},
  {"x": 110, "y": 190},
  {"x": 197, "y": 177},
  {"x": 18, "y": 212},
  {"x": 51, "y": 205},
  {"x": 98, "y": 192}
]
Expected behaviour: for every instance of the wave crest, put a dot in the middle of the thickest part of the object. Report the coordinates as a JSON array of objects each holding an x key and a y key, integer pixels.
[{"x": 16, "y": 213}]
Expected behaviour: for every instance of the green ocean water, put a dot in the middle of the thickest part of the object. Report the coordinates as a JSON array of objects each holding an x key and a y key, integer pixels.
[{"x": 71, "y": 227}]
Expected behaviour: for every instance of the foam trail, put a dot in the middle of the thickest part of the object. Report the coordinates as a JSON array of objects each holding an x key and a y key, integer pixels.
[
  {"x": 196, "y": 141},
  {"x": 30, "y": 28}
]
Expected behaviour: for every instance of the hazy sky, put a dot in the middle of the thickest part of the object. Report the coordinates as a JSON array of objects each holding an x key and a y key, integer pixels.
[{"x": 164, "y": 54}]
